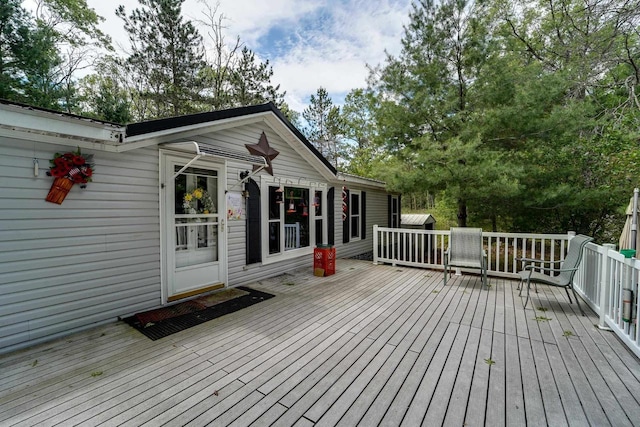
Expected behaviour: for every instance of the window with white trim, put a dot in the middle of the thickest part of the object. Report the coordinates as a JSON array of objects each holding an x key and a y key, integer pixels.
[
  {"x": 275, "y": 221},
  {"x": 355, "y": 210},
  {"x": 320, "y": 214},
  {"x": 294, "y": 220}
]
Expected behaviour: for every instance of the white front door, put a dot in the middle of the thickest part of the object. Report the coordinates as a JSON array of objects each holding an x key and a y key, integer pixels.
[{"x": 194, "y": 249}]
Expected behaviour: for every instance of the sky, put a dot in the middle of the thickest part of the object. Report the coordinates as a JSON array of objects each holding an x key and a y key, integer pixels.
[{"x": 309, "y": 43}]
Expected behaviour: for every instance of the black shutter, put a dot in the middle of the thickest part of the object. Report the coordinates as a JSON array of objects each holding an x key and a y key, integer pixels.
[
  {"x": 363, "y": 215},
  {"x": 331, "y": 216},
  {"x": 345, "y": 215},
  {"x": 254, "y": 232},
  {"x": 389, "y": 211},
  {"x": 399, "y": 210}
]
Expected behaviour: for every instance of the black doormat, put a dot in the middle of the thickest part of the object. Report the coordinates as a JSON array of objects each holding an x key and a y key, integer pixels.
[{"x": 166, "y": 327}]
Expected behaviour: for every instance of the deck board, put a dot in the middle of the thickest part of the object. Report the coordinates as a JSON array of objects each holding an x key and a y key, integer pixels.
[{"x": 371, "y": 345}]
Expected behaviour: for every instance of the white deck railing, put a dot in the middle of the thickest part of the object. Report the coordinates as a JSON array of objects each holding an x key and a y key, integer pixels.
[
  {"x": 425, "y": 248},
  {"x": 605, "y": 278}
]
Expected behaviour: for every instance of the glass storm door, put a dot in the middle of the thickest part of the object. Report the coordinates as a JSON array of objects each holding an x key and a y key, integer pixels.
[{"x": 195, "y": 228}]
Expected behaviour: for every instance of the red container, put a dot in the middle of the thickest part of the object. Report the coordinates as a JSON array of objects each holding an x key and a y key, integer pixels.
[
  {"x": 325, "y": 258},
  {"x": 59, "y": 190}
]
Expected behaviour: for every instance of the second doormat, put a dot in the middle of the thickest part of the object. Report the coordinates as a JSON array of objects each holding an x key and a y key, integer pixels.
[{"x": 160, "y": 323}]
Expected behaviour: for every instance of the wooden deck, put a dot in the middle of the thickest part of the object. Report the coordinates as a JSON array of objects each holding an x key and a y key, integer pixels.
[{"x": 371, "y": 345}]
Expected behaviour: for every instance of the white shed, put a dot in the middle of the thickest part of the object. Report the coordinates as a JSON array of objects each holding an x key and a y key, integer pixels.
[
  {"x": 417, "y": 221},
  {"x": 421, "y": 244}
]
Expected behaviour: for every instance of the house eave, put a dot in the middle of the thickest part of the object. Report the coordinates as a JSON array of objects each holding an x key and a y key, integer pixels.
[
  {"x": 346, "y": 179},
  {"x": 33, "y": 124}
]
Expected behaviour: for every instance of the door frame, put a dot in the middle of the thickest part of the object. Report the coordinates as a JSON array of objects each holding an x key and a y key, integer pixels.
[{"x": 167, "y": 157}]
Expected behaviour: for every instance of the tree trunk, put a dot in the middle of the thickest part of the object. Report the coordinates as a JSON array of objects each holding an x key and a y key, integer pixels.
[
  {"x": 494, "y": 223},
  {"x": 462, "y": 213}
]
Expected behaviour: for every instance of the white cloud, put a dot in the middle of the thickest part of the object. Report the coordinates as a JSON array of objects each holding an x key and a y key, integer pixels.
[
  {"x": 324, "y": 42},
  {"x": 328, "y": 42},
  {"x": 252, "y": 19}
]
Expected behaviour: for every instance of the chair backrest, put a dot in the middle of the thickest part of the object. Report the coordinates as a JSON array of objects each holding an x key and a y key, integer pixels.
[
  {"x": 574, "y": 257},
  {"x": 465, "y": 244}
]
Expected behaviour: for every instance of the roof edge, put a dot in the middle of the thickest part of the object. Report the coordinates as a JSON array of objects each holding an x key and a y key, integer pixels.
[
  {"x": 58, "y": 113},
  {"x": 157, "y": 125}
]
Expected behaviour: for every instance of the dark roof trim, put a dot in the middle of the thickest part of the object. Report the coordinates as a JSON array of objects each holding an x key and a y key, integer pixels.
[{"x": 135, "y": 129}]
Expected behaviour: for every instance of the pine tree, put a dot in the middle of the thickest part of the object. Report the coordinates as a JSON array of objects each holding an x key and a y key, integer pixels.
[
  {"x": 250, "y": 82},
  {"x": 166, "y": 60},
  {"x": 324, "y": 125}
]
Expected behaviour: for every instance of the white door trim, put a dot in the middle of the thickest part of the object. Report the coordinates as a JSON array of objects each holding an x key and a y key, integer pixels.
[{"x": 167, "y": 158}]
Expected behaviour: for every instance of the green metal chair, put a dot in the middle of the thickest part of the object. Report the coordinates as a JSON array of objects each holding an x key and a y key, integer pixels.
[
  {"x": 533, "y": 271},
  {"x": 465, "y": 251}
]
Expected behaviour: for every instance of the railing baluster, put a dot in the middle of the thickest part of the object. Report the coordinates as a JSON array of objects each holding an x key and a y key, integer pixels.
[{"x": 602, "y": 276}]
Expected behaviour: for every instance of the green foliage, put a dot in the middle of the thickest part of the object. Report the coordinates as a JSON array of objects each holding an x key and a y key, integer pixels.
[
  {"x": 103, "y": 95},
  {"x": 523, "y": 116},
  {"x": 14, "y": 30},
  {"x": 324, "y": 126},
  {"x": 40, "y": 54},
  {"x": 250, "y": 82},
  {"x": 166, "y": 59}
]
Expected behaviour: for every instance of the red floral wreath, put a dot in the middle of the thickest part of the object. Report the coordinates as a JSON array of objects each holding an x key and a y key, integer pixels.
[{"x": 74, "y": 166}]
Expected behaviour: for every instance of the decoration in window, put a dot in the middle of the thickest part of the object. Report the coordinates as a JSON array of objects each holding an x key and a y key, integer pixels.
[
  {"x": 292, "y": 204},
  {"x": 68, "y": 169},
  {"x": 263, "y": 149},
  {"x": 198, "y": 202},
  {"x": 344, "y": 203},
  {"x": 279, "y": 196}
]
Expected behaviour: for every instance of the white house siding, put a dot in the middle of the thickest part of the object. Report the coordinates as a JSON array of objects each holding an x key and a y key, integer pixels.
[
  {"x": 93, "y": 258},
  {"x": 287, "y": 165},
  {"x": 376, "y": 213}
]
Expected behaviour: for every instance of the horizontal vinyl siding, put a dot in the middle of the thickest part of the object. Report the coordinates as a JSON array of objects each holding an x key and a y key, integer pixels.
[
  {"x": 287, "y": 165},
  {"x": 71, "y": 266},
  {"x": 376, "y": 213}
]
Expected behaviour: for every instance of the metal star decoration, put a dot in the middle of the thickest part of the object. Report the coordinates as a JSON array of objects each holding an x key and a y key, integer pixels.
[{"x": 262, "y": 149}]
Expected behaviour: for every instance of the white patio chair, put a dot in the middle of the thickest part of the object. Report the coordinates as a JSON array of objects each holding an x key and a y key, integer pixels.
[
  {"x": 465, "y": 251},
  {"x": 533, "y": 271}
]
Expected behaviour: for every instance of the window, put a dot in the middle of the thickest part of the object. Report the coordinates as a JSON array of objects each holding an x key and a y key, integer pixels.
[
  {"x": 394, "y": 211},
  {"x": 196, "y": 218},
  {"x": 274, "y": 221},
  {"x": 318, "y": 207},
  {"x": 295, "y": 220},
  {"x": 296, "y": 224},
  {"x": 354, "y": 204},
  {"x": 354, "y": 223}
]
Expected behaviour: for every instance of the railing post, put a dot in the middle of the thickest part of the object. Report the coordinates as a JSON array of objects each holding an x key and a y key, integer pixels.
[
  {"x": 604, "y": 285},
  {"x": 375, "y": 244}
]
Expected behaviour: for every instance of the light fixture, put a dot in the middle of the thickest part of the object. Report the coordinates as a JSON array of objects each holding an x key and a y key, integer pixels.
[
  {"x": 279, "y": 196},
  {"x": 316, "y": 200}
]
